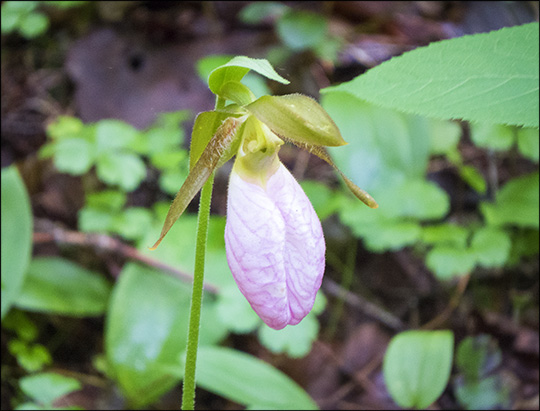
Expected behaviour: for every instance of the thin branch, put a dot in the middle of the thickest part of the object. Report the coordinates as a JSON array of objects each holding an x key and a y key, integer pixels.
[
  {"x": 103, "y": 242},
  {"x": 365, "y": 306}
]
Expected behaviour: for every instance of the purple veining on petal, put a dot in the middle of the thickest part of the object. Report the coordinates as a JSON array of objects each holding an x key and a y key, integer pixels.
[{"x": 275, "y": 247}]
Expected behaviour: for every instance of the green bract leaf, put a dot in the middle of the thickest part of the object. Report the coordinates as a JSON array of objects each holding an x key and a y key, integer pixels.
[
  {"x": 16, "y": 235},
  {"x": 237, "y": 92},
  {"x": 248, "y": 380},
  {"x": 417, "y": 367},
  {"x": 237, "y": 68},
  {"x": 489, "y": 77},
  {"x": 298, "y": 118},
  {"x": 81, "y": 292},
  {"x": 217, "y": 148}
]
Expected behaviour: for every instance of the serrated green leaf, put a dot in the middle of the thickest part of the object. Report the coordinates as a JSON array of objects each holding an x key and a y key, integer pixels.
[
  {"x": 248, "y": 380},
  {"x": 417, "y": 367},
  {"x": 237, "y": 68},
  {"x": 488, "y": 77},
  {"x": 491, "y": 246},
  {"x": 16, "y": 234},
  {"x": 47, "y": 387},
  {"x": 58, "y": 286}
]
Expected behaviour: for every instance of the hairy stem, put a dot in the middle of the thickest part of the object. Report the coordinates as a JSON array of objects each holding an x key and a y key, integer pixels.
[{"x": 188, "y": 392}]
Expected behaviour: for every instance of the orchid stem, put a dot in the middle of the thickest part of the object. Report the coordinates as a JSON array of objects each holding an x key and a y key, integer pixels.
[{"x": 188, "y": 391}]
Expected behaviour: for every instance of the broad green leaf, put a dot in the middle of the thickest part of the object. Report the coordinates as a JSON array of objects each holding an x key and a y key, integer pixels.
[
  {"x": 73, "y": 155},
  {"x": 31, "y": 357},
  {"x": 123, "y": 169},
  {"x": 473, "y": 177},
  {"x": 106, "y": 200},
  {"x": 417, "y": 367},
  {"x": 448, "y": 234},
  {"x": 16, "y": 235},
  {"x": 47, "y": 387},
  {"x": 324, "y": 200},
  {"x": 248, "y": 380},
  {"x": 237, "y": 68},
  {"x": 486, "y": 394},
  {"x": 449, "y": 261},
  {"x": 478, "y": 356},
  {"x": 528, "y": 143},
  {"x": 146, "y": 332},
  {"x": 300, "y": 29},
  {"x": 65, "y": 127},
  {"x": 257, "y": 12},
  {"x": 385, "y": 146},
  {"x": 132, "y": 223},
  {"x": 235, "y": 312},
  {"x": 95, "y": 220},
  {"x": 488, "y": 77},
  {"x": 491, "y": 246},
  {"x": 33, "y": 25},
  {"x": 379, "y": 232},
  {"x": 57, "y": 286},
  {"x": 495, "y": 136},
  {"x": 294, "y": 341},
  {"x": 444, "y": 136},
  {"x": 516, "y": 203},
  {"x": 114, "y": 134}
]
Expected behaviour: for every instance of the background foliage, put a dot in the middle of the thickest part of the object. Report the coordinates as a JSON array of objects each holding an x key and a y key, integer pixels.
[{"x": 86, "y": 305}]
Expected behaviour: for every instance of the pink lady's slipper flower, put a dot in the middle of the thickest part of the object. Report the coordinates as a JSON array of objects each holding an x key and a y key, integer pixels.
[{"x": 273, "y": 237}]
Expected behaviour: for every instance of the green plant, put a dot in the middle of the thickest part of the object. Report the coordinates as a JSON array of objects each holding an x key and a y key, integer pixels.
[
  {"x": 25, "y": 17},
  {"x": 384, "y": 108},
  {"x": 298, "y": 30}
]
